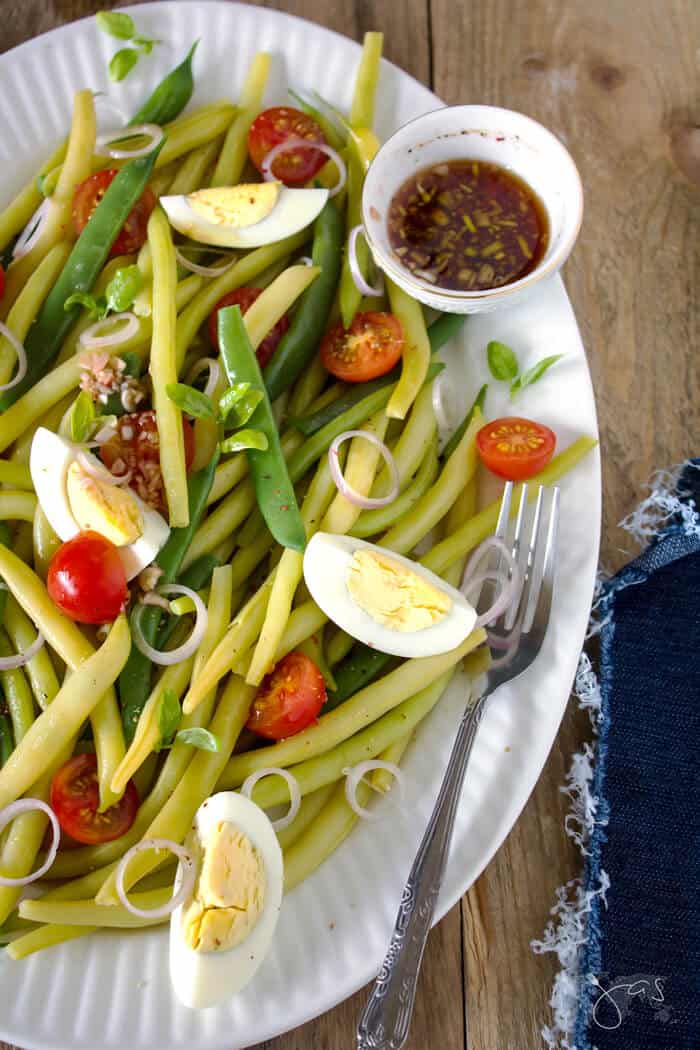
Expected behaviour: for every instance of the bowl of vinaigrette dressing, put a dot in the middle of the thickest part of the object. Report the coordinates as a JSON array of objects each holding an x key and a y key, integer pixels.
[{"x": 468, "y": 207}]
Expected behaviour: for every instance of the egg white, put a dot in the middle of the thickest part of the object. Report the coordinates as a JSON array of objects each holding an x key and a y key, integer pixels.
[
  {"x": 326, "y": 565},
  {"x": 49, "y": 460},
  {"x": 294, "y": 211},
  {"x": 204, "y": 979}
]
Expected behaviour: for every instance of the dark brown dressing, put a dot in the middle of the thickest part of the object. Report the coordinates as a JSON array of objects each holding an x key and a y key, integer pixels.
[{"x": 467, "y": 225}]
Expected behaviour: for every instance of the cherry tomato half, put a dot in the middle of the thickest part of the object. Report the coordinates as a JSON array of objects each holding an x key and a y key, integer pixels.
[
  {"x": 86, "y": 579},
  {"x": 515, "y": 448},
  {"x": 136, "y": 447},
  {"x": 276, "y": 125},
  {"x": 289, "y": 698},
  {"x": 75, "y": 798},
  {"x": 370, "y": 347},
  {"x": 245, "y": 297},
  {"x": 88, "y": 195}
]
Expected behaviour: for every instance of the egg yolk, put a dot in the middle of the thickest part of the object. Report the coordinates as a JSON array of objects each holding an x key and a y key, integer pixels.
[
  {"x": 229, "y": 893},
  {"x": 236, "y": 206},
  {"x": 394, "y": 595},
  {"x": 99, "y": 506}
]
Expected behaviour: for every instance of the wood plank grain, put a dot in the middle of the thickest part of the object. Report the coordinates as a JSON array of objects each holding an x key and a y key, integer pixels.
[{"x": 616, "y": 82}]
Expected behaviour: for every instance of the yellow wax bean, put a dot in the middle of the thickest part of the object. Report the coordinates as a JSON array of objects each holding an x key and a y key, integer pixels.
[
  {"x": 192, "y": 172},
  {"x": 16, "y": 505},
  {"x": 331, "y": 827},
  {"x": 163, "y": 369},
  {"x": 71, "y": 344},
  {"x": 15, "y": 474},
  {"x": 360, "y": 468},
  {"x": 42, "y": 396},
  {"x": 311, "y": 806},
  {"x": 307, "y": 387},
  {"x": 413, "y": 444},
  {"x": 39, "y": 670},
  {"x": 48, "y": 735},
  {"x": 303, "y": 621},
  {"x": 20, "y": 210},
  {"x": 416, "y": 353},
  {"x": 45, "y": 542},
  {"x": 88, "y": 913},
  {"x": 50, "y": 419},
  {"x": 221, "y": 522},
  {"x": 45, "y": 937},
  {"x": 234, "y": 153},
  {"x": 227, "y": 475},
  {"x": 463, "y": 508},
  {"x": 277, "y": 298},
  {"x": 58, "y": 223},
  {"x": 367, "y": 77},
  {"x": 29, "y": 300}
]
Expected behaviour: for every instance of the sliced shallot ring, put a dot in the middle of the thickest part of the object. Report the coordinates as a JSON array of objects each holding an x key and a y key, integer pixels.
[
  {"x": 353, "y": 777},
  {"x": 166, "y": 658},
  {"x": 360, "y": 283},
  {"x": 351, "y": 494},
  {"x": 289, "y": 145},
  {"x": 31, "y": 805},
  {"x": 100, "y": 473},
  {"x": 11, "y": 663},
  {"x": 294, "y": 792},
  {"x": 305, "y": 260},
  {"x": 187, "y": 868},
  {"x": 102, "y": 148},
  {"x": 214, "y": 374},
  {"x": 203, "y": 271},
  {"x": 90, "y": 341},
  {"x": 32, "y": 231},
  {"x": 440, "y": 397},
  {"x": 509, "y": 580},
  {"x": 102, "y": 99},
  {"x": 21, "y": 357}
]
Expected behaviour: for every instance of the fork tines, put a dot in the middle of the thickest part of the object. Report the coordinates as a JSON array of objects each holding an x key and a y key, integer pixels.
[{"x": 534, "y": 555}]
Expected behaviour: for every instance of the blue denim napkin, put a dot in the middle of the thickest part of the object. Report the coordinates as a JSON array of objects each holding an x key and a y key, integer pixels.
[{"x": 632, "y": 937}]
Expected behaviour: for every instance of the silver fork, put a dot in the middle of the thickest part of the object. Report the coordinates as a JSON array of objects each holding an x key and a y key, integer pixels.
[{"x": 386, "y": 1019}]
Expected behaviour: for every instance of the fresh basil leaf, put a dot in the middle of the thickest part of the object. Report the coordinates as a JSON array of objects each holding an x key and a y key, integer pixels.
[
  {"x": 243, "y": 439},
  {"x": 239, "y": 402},
  {"x": 123, "y": 289},
  {"x": 82, "y": 299},
  {"x": 503, "y": 364},
  {"x": 534, "y": 374},
  {"x": 122, "y": 63},
  {"x": 145, "y": 44},
  {"x": 191, "y": 401},
  {"x": 133, "y": 363},
  {"x": 82, "y": 417},
  {"x": 200, "y": 738},
  {"x": 116, "y": 24},
  {"x": 169, "y": 716}
]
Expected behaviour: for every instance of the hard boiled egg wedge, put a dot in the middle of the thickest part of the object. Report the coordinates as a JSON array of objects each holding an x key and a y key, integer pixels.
[
  {"x": 221, "y": 934},
  {"x": 75, "y": 493},
  {"x": 385, "y": 600},
  {"x": 245, "y": 216}
]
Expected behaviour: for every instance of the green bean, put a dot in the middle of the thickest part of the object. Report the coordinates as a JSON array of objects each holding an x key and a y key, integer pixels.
[
  {"x": 474, "y": 531},
  {"x": 273, "y": 486},
  {"x": 358, "y": 411},
  {"x": 6, "y": 742},
  {"x": 299, "y": 344},
  {"x": 461, "y": 429},
  {"x": 326, "y": 768},
  {"x": 364, "y": 708},
  {"x": 135, "y": 679},
  {"x": 84, "y": 263},
  {"x": 439, "y": 332},
  {"x": 222, "y": 521},
  {"x": 39, "y": 670},
  {"x": 360, "y": 667},
  {"x": 170, "y": 96},
  {"x": 370, "y": 522},
  {"x": 362, "y": 151},
  {"x": 5, "y": 540}
]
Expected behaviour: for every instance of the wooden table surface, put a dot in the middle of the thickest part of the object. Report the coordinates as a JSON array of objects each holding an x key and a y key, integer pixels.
[{"x": 616, "y": 80}]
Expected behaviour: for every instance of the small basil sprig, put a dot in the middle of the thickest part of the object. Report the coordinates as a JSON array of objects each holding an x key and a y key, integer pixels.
[
  {"x": 119, "y": 294},
  {"x": 169, "y": 715},
  {"x": 236, "y": 405},
  {"x": 503, "y": 365},
  {"x": 122, "y": 27},
  {"x": 200, "y": 738},
  {"x": 82, "y": 417}
]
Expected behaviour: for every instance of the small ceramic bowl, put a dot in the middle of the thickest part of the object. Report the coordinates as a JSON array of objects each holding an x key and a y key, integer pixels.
[{"x": 485, "y": 133}]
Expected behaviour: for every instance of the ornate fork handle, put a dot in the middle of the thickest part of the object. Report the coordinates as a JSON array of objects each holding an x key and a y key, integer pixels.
[{"x": 386, "y": 1019}]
